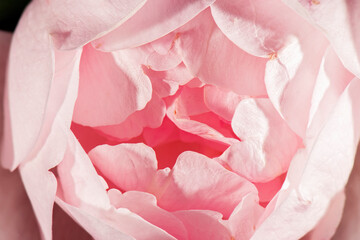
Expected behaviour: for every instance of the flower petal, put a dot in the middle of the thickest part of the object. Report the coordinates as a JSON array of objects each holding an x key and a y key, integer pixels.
[
  {"x": 197, "y": 182},
  {"x": 128, "y": 166},
  {"x": 317, "y": 173},
  {"x": 147, "y": 25},
  {"x": 284, "y": 78},
  {"x": 267, "y": 146},
  {"x": 144, "y": 204},
  {"x": 227, "y": 67},
  {"x": 151, "y": 116},
  {"x": 203, "y": 224},
  {"x": 111, "y": 88},
  {"x": 342, "y": 30}
]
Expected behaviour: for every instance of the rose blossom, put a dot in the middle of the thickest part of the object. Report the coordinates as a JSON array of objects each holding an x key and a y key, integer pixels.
[{"x": 186, "y": 119}]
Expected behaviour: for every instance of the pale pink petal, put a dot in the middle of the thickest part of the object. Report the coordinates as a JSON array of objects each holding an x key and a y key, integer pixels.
[
  {"x": 79, "y": 183},
  {"x": 349, "y": 225},
  {"x": 203, "y": 225},
  {"x": 160, "y": 83},
  {"x": 75, "y": 23},
  {"x": 156, "y": 19},
  {"x": 27, "y": 87},
  {"x": 327, "y": 225},
  {"x": 144, "y": 204},
  {"x": 267, "y": 146},
  {"x": 339, "y": 21},
  {"x": 198, "y": 182},
  {"x": 330, "y": 83},
  {"x": 70, "y": 25},
  {"x": 290, "y": 77},
  {"x": 224, "y": 108},
  {"x": 161, "y": 62},
  {"x": 259, "y": 27},
  {"x": 317, "y": 173},
  {"x": 17, "y": 220},
  {"x": 40, "y": 184},
  {"x": 111, "y": 88},
  {"x": 244, "y": 218},
  {"x": 114, "y": 223},
  {"x": 128, "y": 166},
  {"x": 212, "y": 57},
  {"x": 151, "y": 116},
  {"x": 190, "y": 103}
]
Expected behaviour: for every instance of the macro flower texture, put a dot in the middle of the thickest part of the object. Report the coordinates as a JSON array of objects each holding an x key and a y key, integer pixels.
[{"x": 187, "y": 119}]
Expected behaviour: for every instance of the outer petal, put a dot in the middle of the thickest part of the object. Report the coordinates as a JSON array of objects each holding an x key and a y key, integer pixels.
[
  {"x": 111, "y": 88},
  {"x": 39, "y": 183},
  {"x": 79, "y": 183},
  {"x": 343, "y": 31},
  {"x": 148, "y": 25},
  {"x": 327, "y": 225},
  {"x": 70, "y": 24},
  {"x": 77, "y": 23},
  {"x": 28, "y": 86},
  {"x": 317, "y": 174},
  {"x": 128, "y": 166},
  {"x": 260, "y": 28},
  {"x": 330, "y": 83},
  {"x": 114, "y": 223},
  {"x": 290, "y": 78},
  {"x": 212, "y": 57}
]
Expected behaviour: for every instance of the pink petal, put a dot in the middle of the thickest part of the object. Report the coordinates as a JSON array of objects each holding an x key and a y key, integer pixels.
[
  {"x": 203, "y": 225},
  {"x": 113, "y": 223},
  {"x": 197, "y": 182},
  {"x": 147, "y": 25},
  {"x": 267, "y": 146},
  {"x": 327, "y": 225},
  {"x": 224, "y": 108},
  {"x": 111, "y": 88},
  {"x": 260, "y": 28},
  {"x": 73, "y": 24},
  {"x": 144, "y": 204},
  {"x": 317, "y": 173},
  {"x": 128, "y": 166},
  {"x": 189, "y": 103},
  {"x": 227, "y": 67},
  {"x": 39, "y": 183},
  {"x": 330, "y": 83},
  {"x": 79, "y": 183},
  {"x": 17, "y": 220},
  {"x": 244, "y": 218},
  {"x": 348, "y": 228},
  {"x": 42, "y": 23},
  {"x": 151, "y": 116},
  {"x": 285, "y": 74},
  {"x": 342, "y": 30},
  {"x": 26, "y": 99}
]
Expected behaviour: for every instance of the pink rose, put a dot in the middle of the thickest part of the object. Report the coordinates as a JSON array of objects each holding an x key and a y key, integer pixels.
[{"x": 184, "y": 119}]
